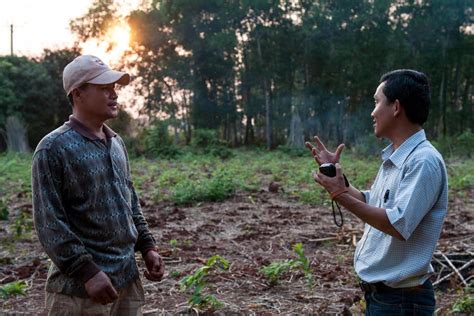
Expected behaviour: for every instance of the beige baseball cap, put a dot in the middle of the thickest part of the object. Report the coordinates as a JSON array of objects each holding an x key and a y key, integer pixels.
[{"x": 90, "y": 69}]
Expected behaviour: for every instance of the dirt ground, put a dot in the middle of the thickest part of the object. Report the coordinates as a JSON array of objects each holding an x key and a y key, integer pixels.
[{"x": 250, "y": 230}]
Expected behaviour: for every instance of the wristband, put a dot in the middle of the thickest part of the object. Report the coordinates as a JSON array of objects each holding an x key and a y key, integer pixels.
[{"x": 338, "y": 192}]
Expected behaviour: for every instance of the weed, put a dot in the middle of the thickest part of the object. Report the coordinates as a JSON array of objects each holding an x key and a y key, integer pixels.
[
  {"x": 13, "y": 289},
  {"x": 173, "y": 243},
  {"x": 3, "y": 210},
  {"x": 275, "y": 270},
  {"x": 304, "y": 264},
  {"x": 22, "y": 224},
  {"x": 197, "y": 283},
  {"x": 464, "y": 304},
  {"x": 175, "y": 274}
]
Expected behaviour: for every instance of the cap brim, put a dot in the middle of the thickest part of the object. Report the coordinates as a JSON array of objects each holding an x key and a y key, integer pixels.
[{"x": 111, "y": 76}]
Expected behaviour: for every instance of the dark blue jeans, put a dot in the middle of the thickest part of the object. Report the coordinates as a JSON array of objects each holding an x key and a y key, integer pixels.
[{"x": 419, "y": 301}]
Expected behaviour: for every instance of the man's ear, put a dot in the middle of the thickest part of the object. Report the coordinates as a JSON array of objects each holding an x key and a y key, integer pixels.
[{"x": 397, "y": 108}]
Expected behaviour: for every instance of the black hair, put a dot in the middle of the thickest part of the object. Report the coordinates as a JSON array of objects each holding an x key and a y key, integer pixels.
[
  {"x": 69, "y": 96},
  {"x": 412, "y": 89}
]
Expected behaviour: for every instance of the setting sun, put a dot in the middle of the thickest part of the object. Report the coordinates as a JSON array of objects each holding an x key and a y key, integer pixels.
[{"x": 112, "y": 47}]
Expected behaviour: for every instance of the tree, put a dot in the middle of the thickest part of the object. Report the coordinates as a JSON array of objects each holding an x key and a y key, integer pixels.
[{"x": 25, "y": 94}]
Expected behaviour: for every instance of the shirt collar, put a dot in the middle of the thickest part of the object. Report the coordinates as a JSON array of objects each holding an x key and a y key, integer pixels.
[
  {"x": 399, "y": 156},
  {"x": 76, "y": 125}
]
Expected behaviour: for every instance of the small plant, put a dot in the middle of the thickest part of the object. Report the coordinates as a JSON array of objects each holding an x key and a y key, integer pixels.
[
  {"x": 175, "y": 274},
  {"x": 197, "y": 283},
  {"x": 220, "y": 187},
  {"x": 173, "y": 243},
  {"x": 22, "y": 224},
  {"x": 465, "y": 304},
  {"x": 275, "y": 270},
  {"x": 305, "y": 264},
  {"x": 12, "y": 289},
  {"x": 3, "y": 210}
]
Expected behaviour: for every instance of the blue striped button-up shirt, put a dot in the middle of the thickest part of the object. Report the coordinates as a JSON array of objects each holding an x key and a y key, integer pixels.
[{"x": 412, "y": 187}]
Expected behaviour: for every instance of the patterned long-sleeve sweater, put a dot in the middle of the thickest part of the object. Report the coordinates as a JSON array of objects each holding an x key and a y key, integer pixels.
[{"x": 86, "y": 211}]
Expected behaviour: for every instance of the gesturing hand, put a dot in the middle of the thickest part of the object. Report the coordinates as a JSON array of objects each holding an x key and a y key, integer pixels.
[
  {"x": 333, "y": 185},
  {"x": 154, "y": 265},
  {"x": 321, "y": 154},
  {"x": 100, "y": 289}
]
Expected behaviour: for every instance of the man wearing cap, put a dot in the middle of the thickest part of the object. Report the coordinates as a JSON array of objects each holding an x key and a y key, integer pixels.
[{"x": 86, "y": 211}]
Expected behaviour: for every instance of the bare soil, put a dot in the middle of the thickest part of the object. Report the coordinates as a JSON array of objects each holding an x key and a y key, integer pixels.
[{"x": 250, "y": 230}]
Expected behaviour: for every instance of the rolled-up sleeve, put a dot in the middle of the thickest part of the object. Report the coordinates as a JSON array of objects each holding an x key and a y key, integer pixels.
[
  {"x": 416, "y": 194},
  {"x": 51, "y": 222}
]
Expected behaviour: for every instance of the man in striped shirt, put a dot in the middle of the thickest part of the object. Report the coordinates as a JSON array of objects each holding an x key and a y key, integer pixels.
[
  {"x": 86, "y": 211},
  {"x": 404, "y": 210}
]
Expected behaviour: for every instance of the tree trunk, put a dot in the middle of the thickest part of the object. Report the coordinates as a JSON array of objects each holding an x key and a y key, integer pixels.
[
  {"x": 466, "y": 118},
  {"x": 268, "y": 107},
  {"x": 440, "y": 101},
  {"x": 16, "y": 135},
  {"x": 296, "y": 139}
]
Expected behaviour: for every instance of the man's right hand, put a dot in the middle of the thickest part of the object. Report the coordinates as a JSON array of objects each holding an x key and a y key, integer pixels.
[
  {"x": 321, "y": 154},
  {"x": 100, "y": 289}
]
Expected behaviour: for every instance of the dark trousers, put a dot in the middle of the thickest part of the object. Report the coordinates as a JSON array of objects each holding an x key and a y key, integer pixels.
[{"x": 415, "y": 301}]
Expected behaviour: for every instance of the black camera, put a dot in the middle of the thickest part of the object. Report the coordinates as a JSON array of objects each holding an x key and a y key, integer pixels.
[{"x": 328, "y": 169}]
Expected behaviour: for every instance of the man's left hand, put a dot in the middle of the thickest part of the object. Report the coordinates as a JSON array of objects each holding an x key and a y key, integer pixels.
[
  {"x": 154, "y": 265},
  {"x": 331, "y": 184}
]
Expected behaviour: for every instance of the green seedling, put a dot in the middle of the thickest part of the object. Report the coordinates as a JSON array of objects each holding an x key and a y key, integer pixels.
[
  {"x": 465, "y": 304},
  {"x": 3, "y": 210},
  {"x": 13, "y": 289},
  {"x": 305, "y": 264},
  {"x": 196, "y": 282},
  {"x": 275, "y": 270},
  {"x": 173, "y": 244},
  {"x": 22, "y": 224},
  {"x": 175, "y": 274}
]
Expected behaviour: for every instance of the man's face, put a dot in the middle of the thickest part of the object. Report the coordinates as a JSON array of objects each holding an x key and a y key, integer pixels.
[
  {"x": 383, "y": 113},
  {"x": 99, "y": 101}
]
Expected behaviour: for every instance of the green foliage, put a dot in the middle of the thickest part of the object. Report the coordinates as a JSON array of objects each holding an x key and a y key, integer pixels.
[
  {"x": 456, "y": 146},
  {"x": 465, "y": 144},
  {"x": 205, "y": 138},
  {"x": 175, "y": 274},
  {"x": 24, "y": 94},
  {"x": 367, "y": 146},
  {"x": 197, "y": 283},
  {"x": 173, "y": 243},
  {"x": 32, "y": 90},
  {"x": 465, "y": 304},
  {"x": 460, "y": 174},
  {"x": 206, "y": 141},
  {"x": 220, "y": 186},
  {"x": 158, "y": 142},
  {"x": 22, "y": 224},
  {"x": 304, "y": 263},
  {"x": 13, "y": 289},
  {"x": 275, "y": 270},
  {"x": 293, "y": 152},
  {"x": 15, "y": 173},
  {"x": 3, "y": 210}
]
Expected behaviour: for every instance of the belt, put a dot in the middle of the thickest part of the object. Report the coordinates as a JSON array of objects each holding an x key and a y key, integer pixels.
[{"x": 383, "y": 288}]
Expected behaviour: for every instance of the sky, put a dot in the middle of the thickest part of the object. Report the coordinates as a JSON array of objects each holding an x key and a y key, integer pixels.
[{"x": 39, "y": 24}]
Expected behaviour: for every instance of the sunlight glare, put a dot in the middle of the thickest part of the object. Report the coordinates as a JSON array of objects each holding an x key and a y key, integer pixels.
[{"x": 114, "y": 45}]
